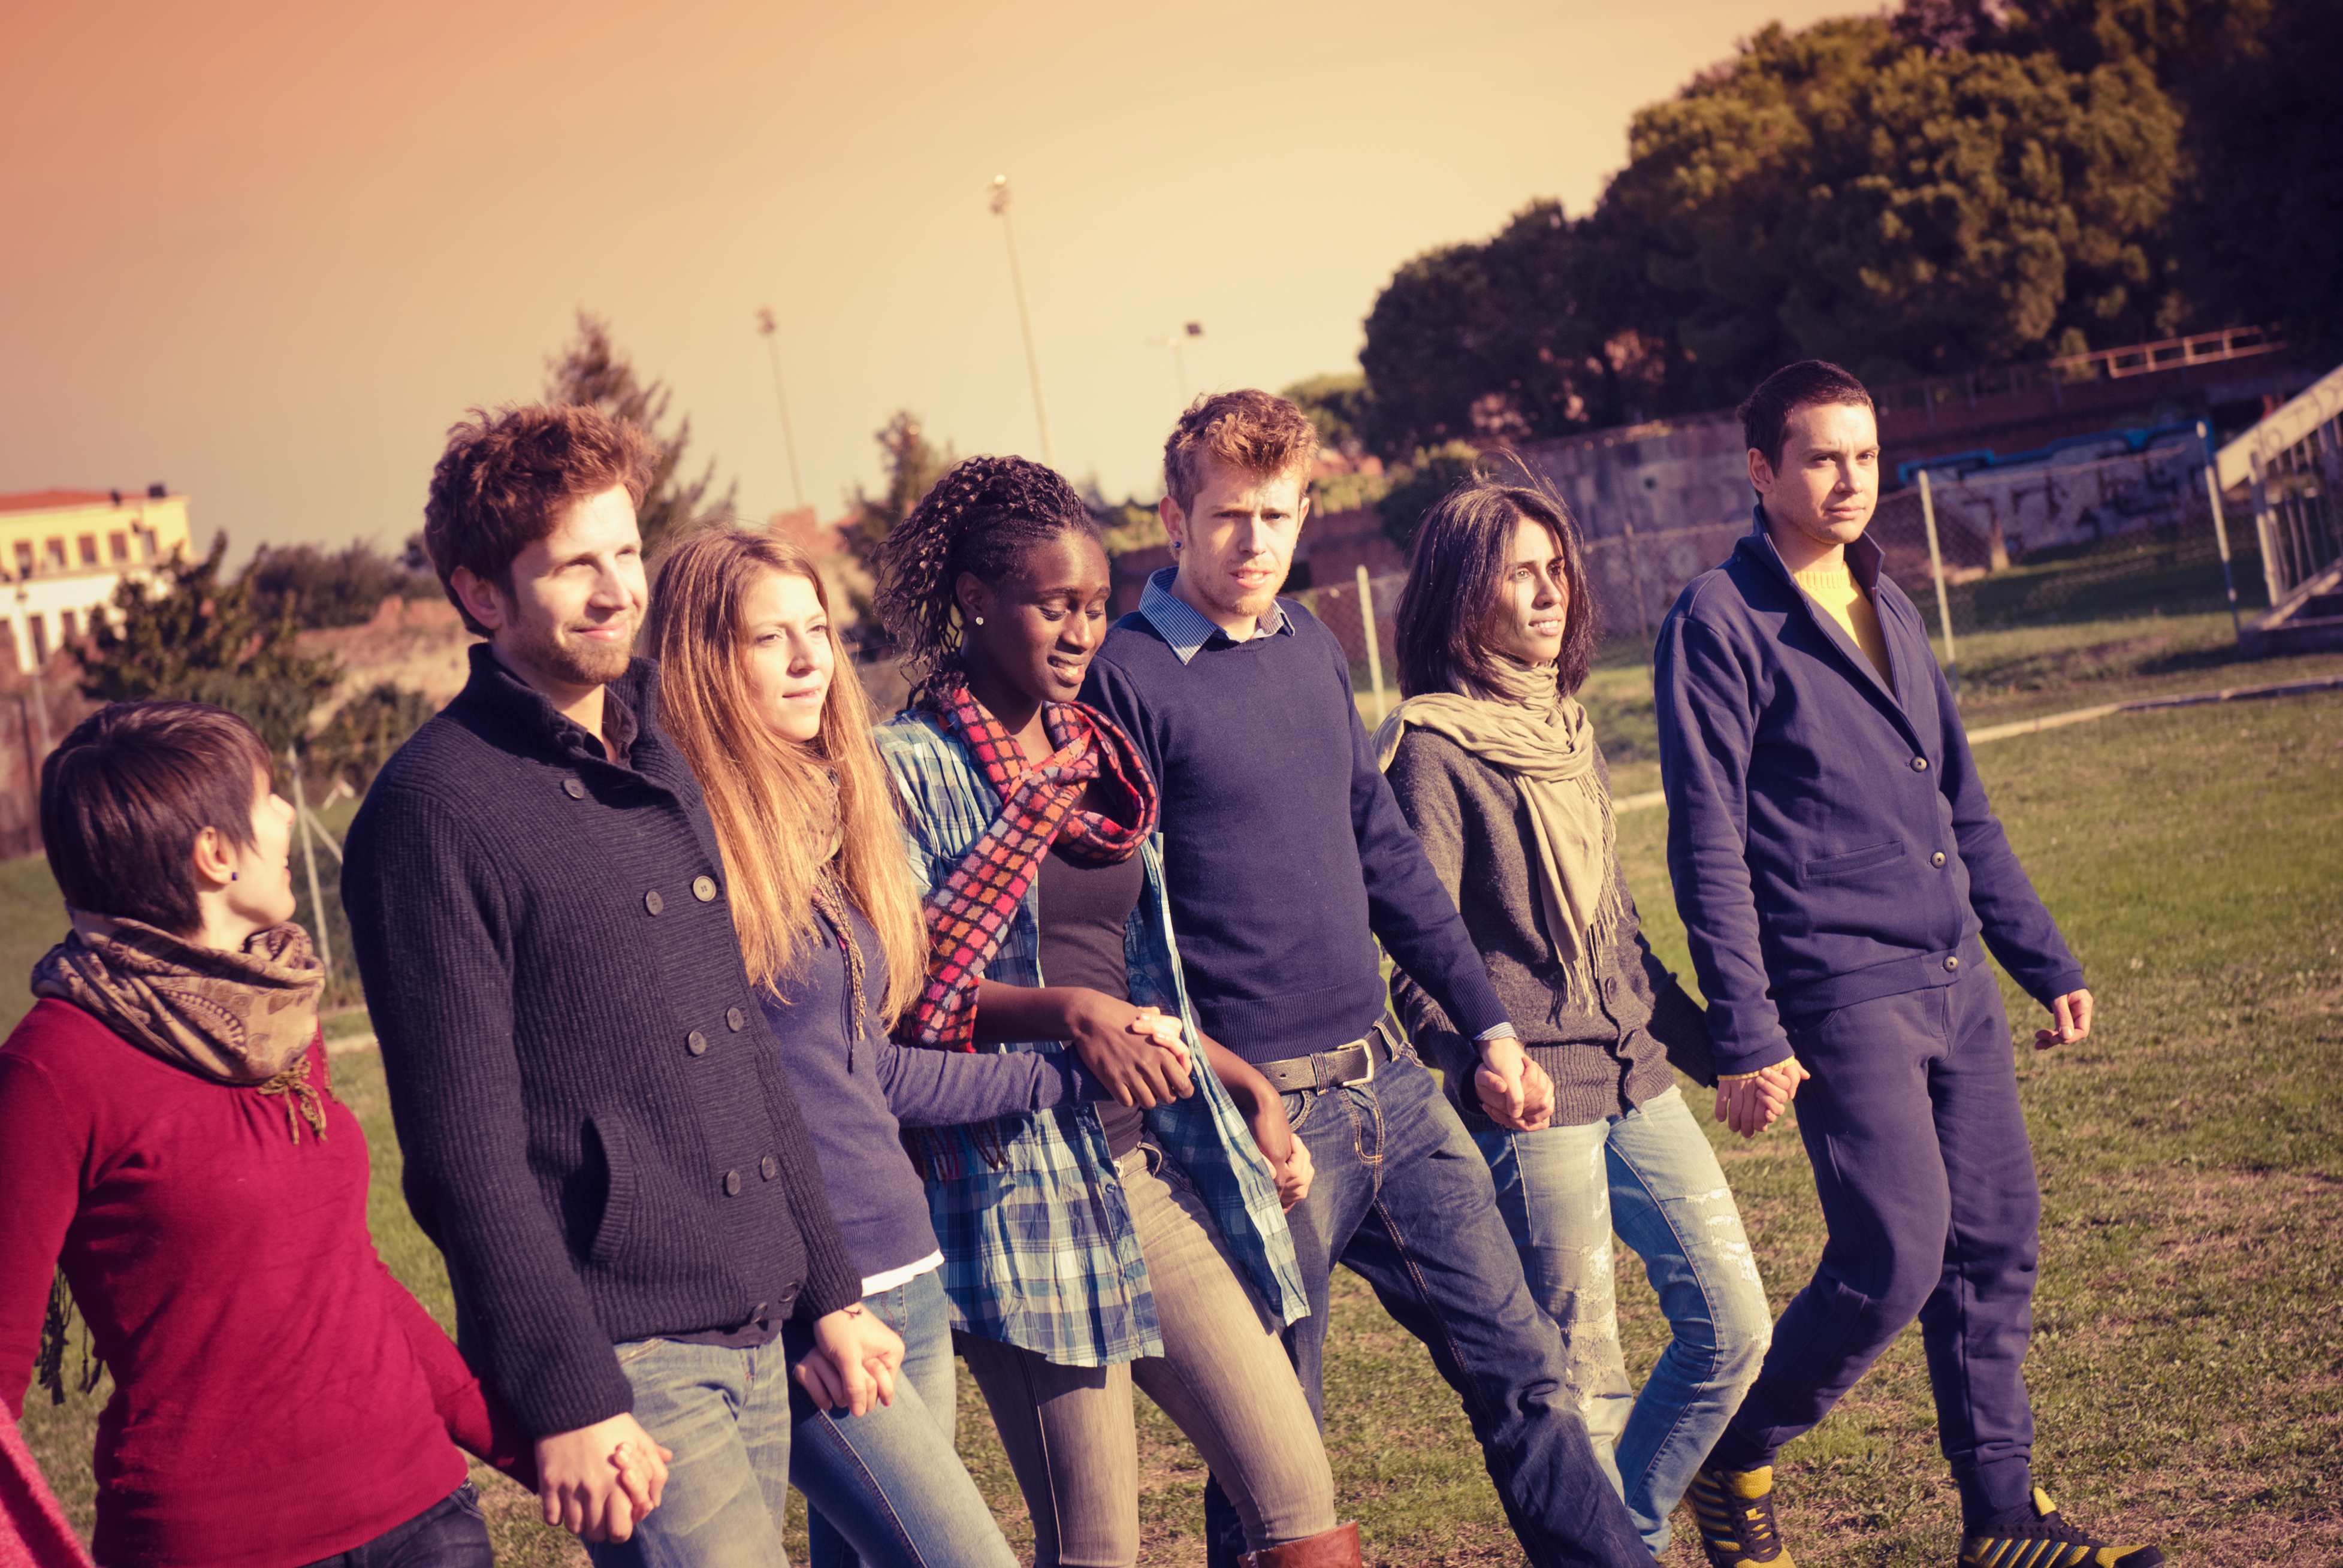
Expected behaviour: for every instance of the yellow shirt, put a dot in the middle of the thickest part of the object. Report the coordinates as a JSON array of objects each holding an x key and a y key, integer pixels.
[{"x": 1834, "y": 590}]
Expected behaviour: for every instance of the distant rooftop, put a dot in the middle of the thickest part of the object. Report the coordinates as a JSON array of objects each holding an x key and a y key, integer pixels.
[{"x": 55, "y": 500}]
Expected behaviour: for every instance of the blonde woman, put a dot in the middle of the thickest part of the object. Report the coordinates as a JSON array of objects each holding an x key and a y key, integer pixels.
[{"x": 757, "y": 696}]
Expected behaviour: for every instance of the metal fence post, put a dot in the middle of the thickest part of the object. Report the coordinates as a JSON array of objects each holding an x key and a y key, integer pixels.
[
  {"x": 1374, "y": 652},
  {"x": 2220, "y": 525},
  {"x": 1943, "y": 600},
  {"x": 2274, "y": 564},
  {"x": 309, "y": 855}
]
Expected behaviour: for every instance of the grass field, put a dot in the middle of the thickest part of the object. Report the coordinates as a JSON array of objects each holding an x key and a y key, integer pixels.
[{"x": 2187, "y": 1365}]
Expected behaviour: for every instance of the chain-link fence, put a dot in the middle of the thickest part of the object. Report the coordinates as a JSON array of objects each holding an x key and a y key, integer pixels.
[{"x": 2114, "y": 539}]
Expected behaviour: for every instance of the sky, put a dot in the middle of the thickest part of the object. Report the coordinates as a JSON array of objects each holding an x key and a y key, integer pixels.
[{"x": 267, "y": 253}]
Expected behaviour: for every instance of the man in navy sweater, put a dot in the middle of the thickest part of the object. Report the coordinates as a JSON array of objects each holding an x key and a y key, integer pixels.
[
  {"x": 1840, "y": 878},
  {"x": 1285, "y": 859}
]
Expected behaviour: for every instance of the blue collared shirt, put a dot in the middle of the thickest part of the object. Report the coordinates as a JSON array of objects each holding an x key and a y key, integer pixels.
[{"x": 1042, "y": 1253}]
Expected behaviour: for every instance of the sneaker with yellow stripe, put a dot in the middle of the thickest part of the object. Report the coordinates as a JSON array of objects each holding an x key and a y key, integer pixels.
[
  {"x": 2048, "y": 1541},
  {"x": 1735, "y": 1511}
]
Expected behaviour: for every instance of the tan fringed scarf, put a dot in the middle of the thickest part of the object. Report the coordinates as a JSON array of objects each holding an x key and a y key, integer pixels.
[
  {"x": 239, "y": 1017},
  {"x": 1540, "y": 739}
]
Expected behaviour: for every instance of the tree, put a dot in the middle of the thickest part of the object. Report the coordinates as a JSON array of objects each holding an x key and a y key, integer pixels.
[
  {"x": 1841, "y": 194},
  {"x": 912, "y": 465},
  {"x": 2260, "y": 222},
  {"x": 592, "y": 373},
  {"x": 331, "y": 587},
  {"x": 1418, "y": 485},
  {"x": 202, "y": 639},
  {"x": 364, "y": 731},
  {"x": 1340, "y": 405}
]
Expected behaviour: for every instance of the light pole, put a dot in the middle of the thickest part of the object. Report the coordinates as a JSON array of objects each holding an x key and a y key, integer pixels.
[
  {"x": 789, "y": 434},
  {"x": 40, "y": 705},
  {"x": 1024, "y": 317},
  {"x": 1176, "y": 341}
]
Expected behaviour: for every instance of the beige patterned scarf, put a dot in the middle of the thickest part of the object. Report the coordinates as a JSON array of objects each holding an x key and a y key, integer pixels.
[
  {"x": 240, "y": 1018},
  {"x": 1527, "y": 730}
]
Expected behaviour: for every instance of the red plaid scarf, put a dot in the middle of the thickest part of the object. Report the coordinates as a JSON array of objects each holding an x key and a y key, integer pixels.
[{"x": 1039, "y": 806}]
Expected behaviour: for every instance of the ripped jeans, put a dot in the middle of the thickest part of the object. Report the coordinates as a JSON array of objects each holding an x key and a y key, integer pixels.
[{"x": 1651, "y": 1176}]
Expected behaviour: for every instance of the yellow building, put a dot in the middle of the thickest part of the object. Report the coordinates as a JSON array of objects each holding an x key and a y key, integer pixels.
[{"x": 63, "y": 551}]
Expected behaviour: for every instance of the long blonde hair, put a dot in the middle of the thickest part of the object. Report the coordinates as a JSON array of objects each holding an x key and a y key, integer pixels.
[{"x": 770, "y": 797}]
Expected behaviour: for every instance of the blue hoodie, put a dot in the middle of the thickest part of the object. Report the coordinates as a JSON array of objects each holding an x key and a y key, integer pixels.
[{"x": 1828, "y": 836}]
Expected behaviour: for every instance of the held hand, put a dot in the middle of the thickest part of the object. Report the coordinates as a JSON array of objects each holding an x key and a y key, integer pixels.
[
  {"x": 1748, "y": 1104},
  {"x": 1537, "y": 1095},
  {"x": 1289, "y": 1159},
  {"x": 1499, "y": 1083},
  {"x": 1293, "y": 1177},
  {"x": 641, "y": 1476},
  {"x": 1117, "y": 1043},
  {"x": 853, "y": 1361},
  {"x": 2072, "y": 1015},
  {"x": 580, "y": 1485},
  {"x": 1170, "y": 1037}
]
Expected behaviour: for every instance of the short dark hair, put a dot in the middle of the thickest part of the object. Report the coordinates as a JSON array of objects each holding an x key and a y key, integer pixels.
[
  {"x": 1766, "y": 417},
  {"x": 1463, "y": 548},
  {"x": 505, "y": 477},
  {"x": 124, "y": 799},
  {"x": 980, "y": 518},
  {"x": 1247, "y": 430}
]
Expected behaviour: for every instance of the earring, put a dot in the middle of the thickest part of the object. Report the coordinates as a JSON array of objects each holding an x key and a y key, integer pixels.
[
  {"x": 980, "y": 620},
  {"x": 1176, "y": 544},
  {"x": 232, "y": 875}
]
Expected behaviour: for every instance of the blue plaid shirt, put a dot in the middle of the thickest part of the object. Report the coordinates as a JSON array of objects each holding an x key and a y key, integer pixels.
[{"x": 1042, "y": 1253}]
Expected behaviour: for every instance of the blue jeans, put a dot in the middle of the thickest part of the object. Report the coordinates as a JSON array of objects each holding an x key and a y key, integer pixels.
[
  {"x": 1652, "y": 1176},
  {"x": 451, "y": 1534},
  {"x": 919, "y": 1310},
  {"x": 743, "y": 1434},
  {"x": 1402, "y": 1199}
]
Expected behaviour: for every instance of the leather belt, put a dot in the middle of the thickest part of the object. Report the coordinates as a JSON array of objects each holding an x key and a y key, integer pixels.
[{"x": 1352, "y": 1063}]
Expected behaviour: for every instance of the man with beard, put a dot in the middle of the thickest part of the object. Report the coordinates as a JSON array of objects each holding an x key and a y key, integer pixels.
[
  {"x": 1286, "y": 859},
  {"x": 597, "y": 1131}
]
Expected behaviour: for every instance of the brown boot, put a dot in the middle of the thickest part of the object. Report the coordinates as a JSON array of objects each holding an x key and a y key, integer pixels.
[{"x": 1338, "y": 1548}]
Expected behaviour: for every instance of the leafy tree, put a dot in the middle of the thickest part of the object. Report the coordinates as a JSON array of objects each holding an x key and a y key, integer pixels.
[
  {"x": 1417, "y": 486},
  {"x": 203, "y": 639},
  {"x": 1843, "y": 194},
  {"x": 2260, "y": 223},
  {"x": 1341, "y": 408},
  {"x": 912, "y": 465},
  {"x": 364, "y": 731},
  {"x": 331, "y": 587},
  {"x": 592, "y": 372}
]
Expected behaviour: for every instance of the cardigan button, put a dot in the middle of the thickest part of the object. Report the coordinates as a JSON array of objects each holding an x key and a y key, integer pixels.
[
  {"x": 696, "y": 1043},
  {"x": 1919, "y": 765},
  {"x": 731, "y": 1183},
  {"x": 653, "y": 903},
  {"x": 573, "y": 788},
  {"x": 1937, "y": 858},
  {"x": 1952, "y": 962},
  {"x": 769, "y": 1167},
  {"x": 703, "y": 888},
  {"x": 735, "y": 1020}
]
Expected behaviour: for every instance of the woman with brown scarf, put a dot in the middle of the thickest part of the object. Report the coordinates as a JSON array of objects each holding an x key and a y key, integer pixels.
[
  {"x": 1493, "y": 760},
  {"x": 178, "y": 1166}
]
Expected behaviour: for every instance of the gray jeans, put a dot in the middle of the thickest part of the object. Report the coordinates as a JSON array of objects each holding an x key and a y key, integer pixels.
[{"x": 1223, "y": 1379}]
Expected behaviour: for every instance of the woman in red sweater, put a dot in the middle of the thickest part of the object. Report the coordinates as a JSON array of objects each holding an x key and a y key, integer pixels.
[{"x": 175, "y": 1151}]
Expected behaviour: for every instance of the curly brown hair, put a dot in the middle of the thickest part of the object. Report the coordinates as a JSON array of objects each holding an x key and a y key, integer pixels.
[
  {"x": 502, "y": 481},
  {"x": 1250, "y": 431},
  {"x": 980, "y": 518}
]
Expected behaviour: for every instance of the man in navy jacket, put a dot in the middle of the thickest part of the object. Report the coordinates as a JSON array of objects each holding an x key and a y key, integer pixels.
[{"x": 1842, "y": 879}]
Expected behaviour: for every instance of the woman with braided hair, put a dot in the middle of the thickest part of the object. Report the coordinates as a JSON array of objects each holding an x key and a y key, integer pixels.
[{"x": 1086, "y": 1249}]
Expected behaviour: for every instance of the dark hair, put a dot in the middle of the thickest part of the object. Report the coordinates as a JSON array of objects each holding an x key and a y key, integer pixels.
[
  {"x": 124, "y": 799},
  {"x": 980, "y": 518},
  {"x": 1247, "y": 430},
  {"x": 505, "y": 477},
  {"x": 1462, "y": 548},
  {"x": 1766, "y": 417}
]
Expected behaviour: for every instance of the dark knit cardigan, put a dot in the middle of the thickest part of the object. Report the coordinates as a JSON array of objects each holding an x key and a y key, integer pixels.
[
  {"x": 597, "y": 1128},
  {"x": 1607, "y": 1051}
]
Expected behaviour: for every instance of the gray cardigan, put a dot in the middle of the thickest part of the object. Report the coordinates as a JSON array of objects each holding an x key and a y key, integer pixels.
[{"x": 1607, "y": 1053}]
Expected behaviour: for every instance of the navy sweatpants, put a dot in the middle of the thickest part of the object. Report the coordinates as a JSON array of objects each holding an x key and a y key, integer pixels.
[{"x": 1926, "y": 1181}]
